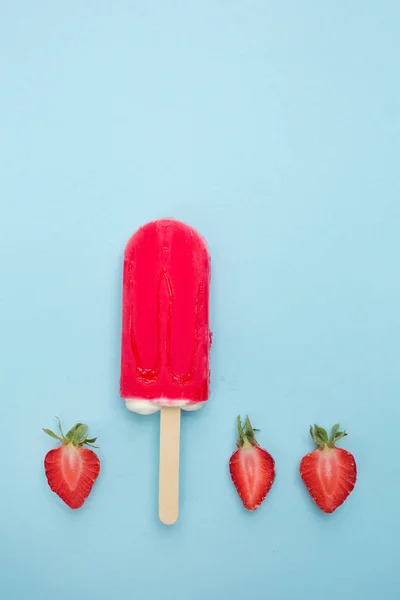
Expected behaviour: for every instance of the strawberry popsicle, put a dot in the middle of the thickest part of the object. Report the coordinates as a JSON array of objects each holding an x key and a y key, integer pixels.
[{"x": 165, "y": 326}]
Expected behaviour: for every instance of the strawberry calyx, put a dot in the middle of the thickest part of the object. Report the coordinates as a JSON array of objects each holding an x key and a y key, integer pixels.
[
  {"x": 321, "y": 438},
  {"x": 246, "y": 434},
  {"x": 76, "y": 436}
]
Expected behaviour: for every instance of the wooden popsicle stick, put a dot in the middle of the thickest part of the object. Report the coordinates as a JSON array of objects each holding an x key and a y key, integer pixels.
[{"x": 168, "y": 500}]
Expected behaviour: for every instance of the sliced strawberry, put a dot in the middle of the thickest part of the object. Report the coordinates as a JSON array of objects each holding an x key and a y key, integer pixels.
[
  {"x": 71, "y": 470},
  {"x": 329, "y": 473},
  {"x": 252, "y": 468}
]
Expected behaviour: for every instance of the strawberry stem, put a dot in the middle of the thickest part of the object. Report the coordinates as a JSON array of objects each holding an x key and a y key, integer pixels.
[
  {"x": 75, "y": 436},
  {"x": 320, "y": 436},
  {"x": 246, "y": 434}
]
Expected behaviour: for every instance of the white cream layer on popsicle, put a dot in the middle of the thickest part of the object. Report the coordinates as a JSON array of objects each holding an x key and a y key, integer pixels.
[{"x": 147, "y": 407}]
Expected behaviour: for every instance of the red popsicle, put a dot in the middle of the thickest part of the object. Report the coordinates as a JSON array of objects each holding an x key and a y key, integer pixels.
[{"x": 165, "y": 328}]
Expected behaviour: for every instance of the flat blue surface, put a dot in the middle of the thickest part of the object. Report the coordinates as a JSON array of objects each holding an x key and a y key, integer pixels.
[{"x": 273, "y": 128}]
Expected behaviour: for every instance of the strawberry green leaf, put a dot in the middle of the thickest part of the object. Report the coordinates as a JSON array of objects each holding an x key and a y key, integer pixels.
[
  {"x": 334, "y": 431},
  {"x": 53, "y": 435},
  {"x": 80, "y": 431},
  {"x": 71, "y": 433},
  {"x": 246, "y": 433},
  {"x": 322, "y": 433},
  {"x": 240, "y": 428},
  {"x": 77, "y": 433},
  {"x": 339, "y": 435},
  {"x": 60, "y": 427},
  {"x": 319, "y": 435},
  {"x": 249, "y": 431},
  {"x": 248, "y": 428}
]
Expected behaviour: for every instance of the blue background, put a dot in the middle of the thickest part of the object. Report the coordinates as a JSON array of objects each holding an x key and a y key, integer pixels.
[{"x": 273, "y": 128}]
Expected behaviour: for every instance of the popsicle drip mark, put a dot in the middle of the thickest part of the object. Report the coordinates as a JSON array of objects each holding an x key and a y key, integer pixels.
[
  {"x": 146, "y": 375},
  {"x": 186, "y": 377},
  {"x": 180, "y": 379},
  {"x": 150, "y": 375}
]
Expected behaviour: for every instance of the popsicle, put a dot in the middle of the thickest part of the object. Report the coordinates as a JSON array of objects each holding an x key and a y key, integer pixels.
[{"x": 166, "y": 337}]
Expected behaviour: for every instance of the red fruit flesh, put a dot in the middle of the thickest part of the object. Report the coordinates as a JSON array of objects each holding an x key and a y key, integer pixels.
[
  {"x": 329, "y": 473},
  {"x": 253, "y": 472},
  {"x": 71, "y": 472}
]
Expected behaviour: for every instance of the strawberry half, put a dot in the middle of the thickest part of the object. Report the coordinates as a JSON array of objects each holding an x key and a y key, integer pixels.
[
  {"x": 329, "y": 473},
  {"x": 252, "y": 468},
  {"x": 71, "y": 469}
]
